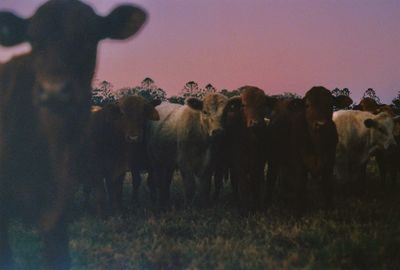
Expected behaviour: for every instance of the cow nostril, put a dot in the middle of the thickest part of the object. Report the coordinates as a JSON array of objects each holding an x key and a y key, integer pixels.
[
  {"x": 216, "y": 132},
  {"x": 253, "y": 123},
  {"x": 130, "y": 138}
]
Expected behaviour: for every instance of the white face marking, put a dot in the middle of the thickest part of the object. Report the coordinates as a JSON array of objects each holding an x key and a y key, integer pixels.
[{"x": 52, "y": 87}]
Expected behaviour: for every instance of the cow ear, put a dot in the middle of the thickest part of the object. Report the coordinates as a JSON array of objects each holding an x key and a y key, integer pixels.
[
  {"x": 113, "y": 112},
  {"x": 155, "y": 102},
  {"x": 153, "y": 114},
  {"x": 13, "y": 29},
  {"x": 195, "y": 103},
  {"x": 270, "y": 101},
  {"x": 370, "y": 123},
  {"x": 122, "y": 22},
  {"x": 342, "y": 101},
  {"x": 296, "y": 105}
]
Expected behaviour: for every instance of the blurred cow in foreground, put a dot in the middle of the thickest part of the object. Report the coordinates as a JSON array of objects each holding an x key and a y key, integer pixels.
[
  {"x": 302, "y": 140},
  {"x": 117, "y": 146},
  {"x": 184, "y": 138},
  {"x": 361, "y": 134},
  {"x": 44, "y": 109}
]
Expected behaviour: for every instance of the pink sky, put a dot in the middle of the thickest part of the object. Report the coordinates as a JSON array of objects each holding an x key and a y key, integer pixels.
[{"x": 278, "y": 45}]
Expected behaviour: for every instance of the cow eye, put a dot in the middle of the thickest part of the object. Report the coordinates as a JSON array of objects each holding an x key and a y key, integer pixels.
[{"x": 205, "y": 112}]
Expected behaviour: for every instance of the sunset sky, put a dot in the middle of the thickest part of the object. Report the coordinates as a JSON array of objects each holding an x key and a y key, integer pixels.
[{"x": 278, "y": 45}]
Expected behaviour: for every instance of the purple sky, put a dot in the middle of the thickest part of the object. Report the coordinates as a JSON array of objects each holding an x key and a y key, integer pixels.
[{"x": 278, "y": 45}]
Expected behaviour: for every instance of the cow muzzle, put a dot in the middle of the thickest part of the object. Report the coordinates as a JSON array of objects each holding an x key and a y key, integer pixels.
[
  {"x": 54, "y": 94},
  {"x": 132, "y": 139}
]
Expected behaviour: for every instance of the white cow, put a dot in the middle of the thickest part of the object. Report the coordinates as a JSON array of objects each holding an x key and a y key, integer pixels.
[
  {"x": 183, "y": 138},
  {"x": 360, "y": 135}
]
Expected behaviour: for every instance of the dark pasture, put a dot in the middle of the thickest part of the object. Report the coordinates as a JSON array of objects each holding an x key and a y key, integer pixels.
[{"x": 358, "y": 234}]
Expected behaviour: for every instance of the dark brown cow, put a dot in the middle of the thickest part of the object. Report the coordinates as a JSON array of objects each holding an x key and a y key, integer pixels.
[
  {"x": 45, "y": 106},
  {"x": 117, "y": 142},
  {"x": 232, "y": 120},
  {"x": 302, "y": 139},
  {"x": 367, "y": 104},
  {"x": 246, "y": 133}
]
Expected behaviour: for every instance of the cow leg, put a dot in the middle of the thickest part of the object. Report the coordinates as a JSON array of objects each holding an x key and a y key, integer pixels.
[
  {"x": 151, "y": 184},
  {"x": 382, "y": 167},
  {"x": 218, "y": 182},
  {"x": 136, "y": 181},
  {"x": 362, "y": 179},
  {"x": 101, "y": 198},
  {"x": 256, "y": 179},
  {"x": 56, "y": 251},
  {"x": 205, "y": 184},
  {"x": 272, "y": 175},
  {"x": 116, "y": 194},
  {"x": 5, "y": 250},
  {"x": 189, "y": 184},
  {"x": 327, "y": 186}
]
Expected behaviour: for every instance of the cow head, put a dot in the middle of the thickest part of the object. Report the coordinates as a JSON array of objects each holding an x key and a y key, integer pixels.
[
  {"x": 63, "y": 36},
  {"x": 233, "y": 113},
  {"x": 318, "y": 106},
  {"x": 255, "y": 105},
  {"x": 211, "y": 109},
  {"x": 130, "y": 115},
  {"x": 382, "y": 128},
  {"x": 367, "y": 104}
]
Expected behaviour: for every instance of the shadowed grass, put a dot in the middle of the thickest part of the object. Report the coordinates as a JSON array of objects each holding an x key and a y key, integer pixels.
[{"x": 358, "y": 234}]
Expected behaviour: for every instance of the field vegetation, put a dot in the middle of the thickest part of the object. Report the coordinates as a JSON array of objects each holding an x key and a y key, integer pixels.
[{"x": 360, "y": 233}]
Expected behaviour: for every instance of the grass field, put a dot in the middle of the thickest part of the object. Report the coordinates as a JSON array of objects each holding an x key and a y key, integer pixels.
[{"x": 358, "y": 234}]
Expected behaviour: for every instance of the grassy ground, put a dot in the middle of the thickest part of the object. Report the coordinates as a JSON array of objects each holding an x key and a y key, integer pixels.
[{"x": 358, "y": 234}]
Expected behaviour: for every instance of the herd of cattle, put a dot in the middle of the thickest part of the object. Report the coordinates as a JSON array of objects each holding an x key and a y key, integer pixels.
[{"x": 51, "y": 142}]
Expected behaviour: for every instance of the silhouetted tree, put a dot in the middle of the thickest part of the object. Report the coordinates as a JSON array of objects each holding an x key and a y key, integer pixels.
[
  {"x": 396, "y": 103},
  {"x": 177, "y": 99},
  {"x": 287, "y": 95},
  {"x": 229, "y": 94},
  {"x": 370, "y": 92},
  {"x": 126, "y": 91},
  {"x": 147, "y": 89},
  {"x": 191, "y": 89},
  {"x": 341, "y": 92},
  {"x": 103, "y": 94},
  {"x": 210, "y": 88}
]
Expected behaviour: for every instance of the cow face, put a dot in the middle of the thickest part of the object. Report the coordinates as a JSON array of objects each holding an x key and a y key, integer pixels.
[
  {"x": 367, "y": 105},
  {"x": 255, "y": 106},
  {"x": 233, "y": 113},
  {"x": 64, "y": 37},
  {"x": 131, "y": 115},
  {"x": 211, "y": 108},
  {"x": 318, "y": 106},
  {"x": 382, "y": 128}
]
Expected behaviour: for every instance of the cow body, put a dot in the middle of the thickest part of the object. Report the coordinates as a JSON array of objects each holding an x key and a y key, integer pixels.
[
  {"x": 45, "y": 107},
  {"x": 302, "y": 141},
  {"x": 118, "y": 146},
  {"x": 183, "y": 138},
  {"x": 361, "y": 134},
  {"x": 387, "y": 159}
]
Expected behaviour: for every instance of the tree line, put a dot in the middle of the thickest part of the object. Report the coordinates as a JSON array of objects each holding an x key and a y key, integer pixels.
[{"x": 104, "y": 93}]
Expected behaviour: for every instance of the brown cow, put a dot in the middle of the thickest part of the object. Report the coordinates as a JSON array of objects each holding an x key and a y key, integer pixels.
[
  {"x": 225, "y": 150},
  {"x": 45, "y": 106},
  {"x": 246, "y": 149},
  {"x": 367, "y": 104},
  {"x": 117, "y": 143},
  {"x": 302, "y": 139}
]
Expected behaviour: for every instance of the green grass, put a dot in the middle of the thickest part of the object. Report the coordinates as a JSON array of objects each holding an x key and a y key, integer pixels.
[{"x": 358, "y": 234}]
